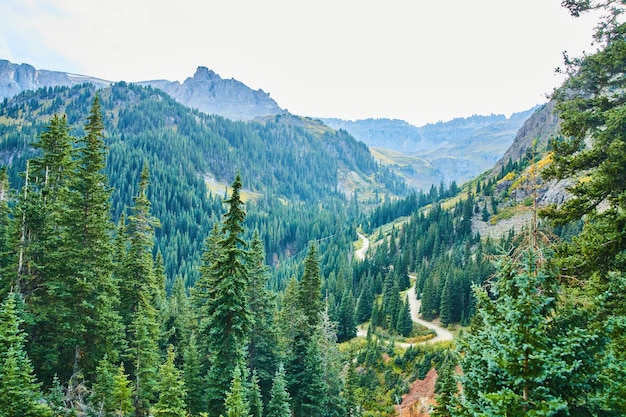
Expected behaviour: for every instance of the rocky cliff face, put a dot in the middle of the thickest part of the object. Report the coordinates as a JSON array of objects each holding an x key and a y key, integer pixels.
[
  {"x": 541, "y": 126},
  {"x": 211, "y": 94},
  {"x": 15, "y": 78}
]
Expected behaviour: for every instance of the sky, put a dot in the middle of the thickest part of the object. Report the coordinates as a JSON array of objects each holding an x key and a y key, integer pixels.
[{"x": 421, "y": 61}]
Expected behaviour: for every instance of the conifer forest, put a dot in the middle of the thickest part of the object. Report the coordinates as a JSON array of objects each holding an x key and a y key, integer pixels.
[{"x": 159, "y": 261}]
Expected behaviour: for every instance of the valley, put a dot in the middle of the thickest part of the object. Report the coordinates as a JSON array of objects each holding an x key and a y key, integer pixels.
[{"x": 194, "y": 249}]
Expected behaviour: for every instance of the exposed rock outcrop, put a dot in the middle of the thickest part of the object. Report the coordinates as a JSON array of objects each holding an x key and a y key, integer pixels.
[
  {"x": 541, "y": 126},
  {"x": 15, "y": 78},
  {"x": 209, "y": 93}
]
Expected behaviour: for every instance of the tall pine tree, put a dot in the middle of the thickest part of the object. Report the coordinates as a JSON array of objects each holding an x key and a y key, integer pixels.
[
  {"x": 139, "y": 295},
  {"x": 226, "y": 313}
]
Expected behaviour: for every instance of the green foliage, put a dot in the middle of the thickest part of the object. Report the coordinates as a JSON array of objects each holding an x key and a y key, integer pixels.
[
  {"x": 176, "y": 320},
  {"x": 346, "y": 322},
  {"x": 227, "y": 321},
  {"x": 255, "y": 400},
  {"x": 404, "y": 325},
  {"x": 140, "y": 295},
  {"x": 8, "y": 264},
  {"x": 308, "y": 390},
  {"x": 279, "y": 404},
  {"x": 193, "y": 377},
  {"x": 122, "y": 393},
  {"x": 112, "y": 393},
  {"x": 236, "y": 403},
  {"x": 290, "y": 164},
  {"x": 521, "y": 358},
  {"x": 309, "y": 290},
  {"x": 591, "y": 155},
  {"x": 19, "y": 390},
  {"x": 445, "y": 388},
  {"x": 171, "y": 389},
  {"x": 263, "y": 349}
]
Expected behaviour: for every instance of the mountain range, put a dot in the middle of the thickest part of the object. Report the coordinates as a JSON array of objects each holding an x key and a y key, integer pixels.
[
  {"x": 205, "y": 91},
  {"x": 456, "y": 150},
  {"x": 443, "y": 152}
]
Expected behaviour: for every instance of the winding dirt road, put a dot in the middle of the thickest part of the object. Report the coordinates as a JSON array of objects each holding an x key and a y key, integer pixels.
[
  {"x": 414, "y": 304},
  {"x": 360, "y": 254}
]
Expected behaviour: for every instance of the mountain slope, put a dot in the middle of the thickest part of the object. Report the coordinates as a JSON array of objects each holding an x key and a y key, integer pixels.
[{"x": 292, "y": 168}]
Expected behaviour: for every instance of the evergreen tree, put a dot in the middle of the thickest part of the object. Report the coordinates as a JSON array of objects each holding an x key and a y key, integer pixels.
[
  {"x": 101, "y": 400},
  {"x": 112, "y": 393},
  {"x": 263, "y": 345},
  {"x": 306, "y": 372},
  {"x": 95, "y": 321},
  {"x": 521, "y": 357},
  {"x": 350, "y": 392},
  {"x": 446, "y": 302},
  {"x": 192, "y": 375},
  {"x": 364, "y": 305},
  {"x": 430, "y": 301},
  {"x": 137, "y": 280},
  {"x": 171, "y": 389},
  {"x": 332, "y": 383},
  {"x": 309, "y": 290},
  {"x": 390, "y": 303},
  {"x": 8, "y": 265},
  {"x": 227, "y": 324},
  {"x": 590, "y": 154},
  {"x": 122, "y": 395},
  {"x": 289, "y": 317},
  {"x": 255, "y": 400},
  {"x": 144, "y": 352},
  {"x": 446, "y": 389},
  {"x": 42, "y": 270},
  {"x": 346, "y": 323},
  {"x": 279, "y": 404},
  {"x": 56, "y": 398},
  {"x": 176, "y": 317},
  {"x": 19, "y": 391},
  {"x": 140, "y": 293},
  {"x": 236, "y": 404},
  {"x": 404, "y": 325}
]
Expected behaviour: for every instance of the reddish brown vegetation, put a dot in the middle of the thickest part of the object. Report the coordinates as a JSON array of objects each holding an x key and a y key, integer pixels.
[{"x": 420, "y": 397}]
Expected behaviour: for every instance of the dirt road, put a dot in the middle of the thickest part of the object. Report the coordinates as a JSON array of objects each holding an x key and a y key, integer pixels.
[{"x": 414, "y": 303}]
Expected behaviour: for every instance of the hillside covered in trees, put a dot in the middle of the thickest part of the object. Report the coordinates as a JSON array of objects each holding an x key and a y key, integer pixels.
[{"x": 293, "y": 169}]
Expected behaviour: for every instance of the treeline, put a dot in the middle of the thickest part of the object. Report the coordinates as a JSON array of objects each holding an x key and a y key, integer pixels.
[
  {"x": 86, "y": 314},
  {"x": 391, "y": 210}
]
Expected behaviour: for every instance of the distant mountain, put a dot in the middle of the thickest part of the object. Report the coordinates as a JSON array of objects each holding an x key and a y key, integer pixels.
[
  {"x": 211, "y": 94},
  {"x": 205, "y": 91},
  {"x": 15, "y": 78},
  {"x": 456, "y": 150}
]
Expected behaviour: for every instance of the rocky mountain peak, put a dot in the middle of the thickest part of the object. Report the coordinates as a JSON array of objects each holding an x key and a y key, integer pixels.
[
  {"x": 203, "y": 73},
  {"x": 211, "y": 94}
]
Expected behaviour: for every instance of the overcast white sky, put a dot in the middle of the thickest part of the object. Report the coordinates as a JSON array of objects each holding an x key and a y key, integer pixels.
[{"x": 416, "y": 60}]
